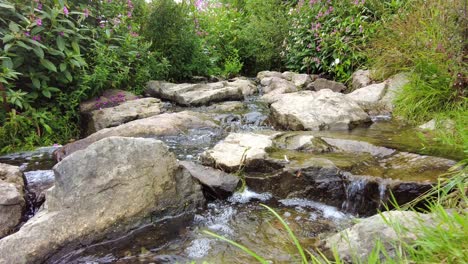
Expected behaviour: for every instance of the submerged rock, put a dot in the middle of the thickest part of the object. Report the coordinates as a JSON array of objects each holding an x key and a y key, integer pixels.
[
  {"x": 202, "y": 93},
  {"x": 12, "y": 200},
  {"x": 219, "y": 184},
  {"x": 111, "y": 187},
  {"x": 357, "y": 242},
  {"x": 123, "y": 113},
  {"x": 159, "y": 125},
  {"x": 323, "y": 110}
]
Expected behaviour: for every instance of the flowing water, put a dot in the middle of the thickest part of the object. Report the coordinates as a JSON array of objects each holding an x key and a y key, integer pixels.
[{"x": 240, "y": 218}]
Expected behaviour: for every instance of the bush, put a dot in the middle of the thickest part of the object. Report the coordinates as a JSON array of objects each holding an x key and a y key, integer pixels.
[
  {"x": 430, "y": 44},
  {"x": 171, "y": 30},
  {"x": 330, "y": 36}
]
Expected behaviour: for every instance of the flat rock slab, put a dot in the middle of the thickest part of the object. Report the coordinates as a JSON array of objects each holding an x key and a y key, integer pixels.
[
  {"x": 123, "y": 113},
  {"x": 237, "y": 150},
  {"x": 160, "y": 125},
  {"x": 113, "y": 186},
  {"x": 12, "y": 199},
  {"x": 322, "y": 110},
  {"x": 219, "y": 184},
  {"x": 187, "y": 94}
]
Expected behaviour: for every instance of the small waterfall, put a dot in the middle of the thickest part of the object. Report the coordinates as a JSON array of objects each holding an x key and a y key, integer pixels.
[{"x": 355, "y": 194}]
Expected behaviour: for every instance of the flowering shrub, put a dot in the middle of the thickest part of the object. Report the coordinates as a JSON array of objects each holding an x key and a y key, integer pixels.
[{"x": 329, "y": 36}]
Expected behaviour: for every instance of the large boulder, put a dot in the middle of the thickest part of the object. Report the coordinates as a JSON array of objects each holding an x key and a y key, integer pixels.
[
  {"x": 321, "y": 84},
  {"x": 109, "y": 98},
  {"x": 357, "y": 242},
  {"x": 361, "y": 78},
  {"x": 123, "y": 113},
  {"x": 217, "y": 183},
  {"x": 202, "y": 93},
  {"x": 322, "y": 110},
  {"x": 394, "y": 86},
  {"x": 12, "y": 200},
  {"x": 274, "y": 86},
  {"x": 159, "y": 125},
  {"x": 237, "y": 150},
  {"x": 265, "y": 74},
  {"x": 368, "y": 97},
  {"x": 113, "y": 186}
]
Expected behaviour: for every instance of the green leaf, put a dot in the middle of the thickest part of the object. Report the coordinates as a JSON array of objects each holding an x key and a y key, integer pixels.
[
  {"x": 36, "y": 43},
  {"x": 39, "y": 52},
  {"x": 75, "y": 63},
  {"x": 7, "y": 38},
  {"x": 7, "y": 63},
  {"x": 23, "y": 45},
  {"x": 49, "y": 65},
  {"x": 56, "y": 52},
  {"x": 36, "y": 83},
  {"x": 53, "y": 89},
  {"x": 60, "y": 43},
  {"x": 76, "y": 47},
  {"x": 46, "y": 93},
  {"x": 68, "y": 76},
  {"x": 63, "y": 66},
  {"x": 36, "y": 30},
  {"x": 13, "y": 27},
  {"x": 7, "y": 6},
  {"x": 7, "y": 47}
]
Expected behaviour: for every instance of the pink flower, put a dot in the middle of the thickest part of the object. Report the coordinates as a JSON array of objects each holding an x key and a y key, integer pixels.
[
  {"x": 27, "y": 34},
  {"x": 86, "y": 12},
  {"x": 37, "y": 38},
  {"x": 129, "y": 14},
  {"x": 134, "y": 34},
  {"x": 39, "y": 6},
  {"x": 65, "y": 10},
  {"x": 39, "y": 22}
]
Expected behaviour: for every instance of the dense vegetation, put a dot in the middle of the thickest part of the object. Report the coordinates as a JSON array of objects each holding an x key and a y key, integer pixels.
[{"x": 56, "y": 53}]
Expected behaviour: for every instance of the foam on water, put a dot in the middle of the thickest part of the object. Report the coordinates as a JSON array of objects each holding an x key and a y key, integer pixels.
[
  {"x": 199, "y": 248},
  {"x": 327, "y": 211},
  {"x": 39, "y": 176},
  {"x": 248, "y": 195}
]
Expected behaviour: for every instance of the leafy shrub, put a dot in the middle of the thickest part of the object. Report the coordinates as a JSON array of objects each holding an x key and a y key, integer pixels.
[
  {"x": 232, "y": 65},
  {"x": 430, "y": 44},
  {"x": 330, "y": 36},
  {"x": 171, "y": 30}
]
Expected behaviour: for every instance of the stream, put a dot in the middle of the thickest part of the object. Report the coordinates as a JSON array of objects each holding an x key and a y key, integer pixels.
[{"x": 240, "y": 218}]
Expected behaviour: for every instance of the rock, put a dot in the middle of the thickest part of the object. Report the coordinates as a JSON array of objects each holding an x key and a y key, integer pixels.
[
  {"x": 113, "y": 186},
  {"x": 278, "y": 86},
  {"x": 355, "y": 146},
  {"x": 123, "y": 113},
  {"x": 227, "y": 107},
  {"x": 361, "y": 78},
  {"x": 369, "y": 96},
  {"x": 447, "y": 124},
  {"x": 109, "y": 98},
  {"x": 394, "y": 86},
  {"x": 38, "y": 183},
  {"x": 321, "y": 84},
  {"x": 12, "y": 200},
  {"x": 356, "y": 243},
  {"x": 219, "y": 184},
  {"x": 308, "y": 143},
  {"x": 265, "y": 74},
  {"x": 322, "y": 110},
  {"x": 301, "y": 80},
  {"x": 159, "y": 125},
  {"x": 287, "y": 75},
  {"x": 201, "y": 93},
  {"x": 237, "y": 150}
]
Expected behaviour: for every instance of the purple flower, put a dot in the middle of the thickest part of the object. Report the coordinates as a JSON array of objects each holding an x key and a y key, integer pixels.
[
  {"x": 61, "y": 33},
  {"x": 86, "y": 12},
  {"x": 65, "y": 10},
  {"x": 36, "y": 38},
  {"x": 39, "y": 22},
  {"x": 39, "y": 6},
  {"x": 27, "y": 34},
  {"x": 134, "y": 34},
  {"x": 129, "y": 14}
]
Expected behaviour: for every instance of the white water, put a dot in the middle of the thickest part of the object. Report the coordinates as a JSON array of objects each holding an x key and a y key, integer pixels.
[{"x": 327, "y": 211}]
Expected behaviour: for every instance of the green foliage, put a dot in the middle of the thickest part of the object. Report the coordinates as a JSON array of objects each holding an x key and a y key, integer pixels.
[
  {"x": 330, "y": 36},
  {"x": 232, "y": 65},
  {"x": 254, "y": 29},
  {"x": 171, "y": 30}
]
